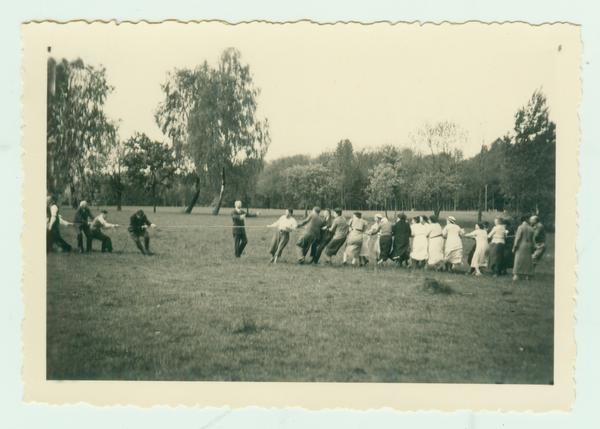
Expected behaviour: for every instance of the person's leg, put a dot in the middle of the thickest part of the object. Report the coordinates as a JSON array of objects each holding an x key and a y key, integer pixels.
[
  {"x": 147, "y": 241},
  {"x": 283, "y": 241},
  {"x": 66, "y": 247},
  {"x": 539, "y": 251},
  {"x": 243, "y": 242},
  {"x": 314, "y": 246},
  {"x": 80, "y": 239},
  {"x": 49, "y": 241},
  {"x": 88, "y": 237},
  {"x": 274, "y": 246},
  {"x": 137, "y": 241}
]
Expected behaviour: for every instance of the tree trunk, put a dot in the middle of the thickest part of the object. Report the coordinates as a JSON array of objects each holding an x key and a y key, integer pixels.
[
  {"x": 220, "y": 201},
  {"x": 479, "y": 207},
  {"x": 195, "y": 197},
  {"x": 154, "y": 198},
  {"x": 73, "y": 195}
]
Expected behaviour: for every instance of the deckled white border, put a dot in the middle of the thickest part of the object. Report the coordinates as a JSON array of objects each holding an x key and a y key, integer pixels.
[{"x": 313, "y": 396}]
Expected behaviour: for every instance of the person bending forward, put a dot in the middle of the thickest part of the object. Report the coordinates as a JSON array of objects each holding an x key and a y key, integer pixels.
[
  {"x": 284, "y": 225},
  {"x": 138, "y": 227},
  {"x": 96, "y": 229}
]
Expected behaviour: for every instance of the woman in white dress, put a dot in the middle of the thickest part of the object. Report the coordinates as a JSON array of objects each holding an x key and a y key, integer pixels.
[
  {"x": 419, "y": 247},
  {"x": 453, "y": 249},
  {"x": 435, "y": 250},
  {"x": 482, "y": 248}
]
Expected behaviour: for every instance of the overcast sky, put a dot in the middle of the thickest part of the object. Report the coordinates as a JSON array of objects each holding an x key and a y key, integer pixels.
[{"x": 373, "y": 85}]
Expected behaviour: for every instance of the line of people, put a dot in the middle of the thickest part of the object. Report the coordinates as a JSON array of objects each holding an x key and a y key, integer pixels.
[
  {"x": 421, "y": 244},
  {"x": 91, "y": 227}
]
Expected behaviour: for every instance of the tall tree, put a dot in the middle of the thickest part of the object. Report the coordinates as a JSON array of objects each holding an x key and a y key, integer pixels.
[
  {"x": 383, "y": 184},
  {"x": 212, "y": 113},
  {"x": 344, "y": 162},
  {"x": 441, "y": 144},
  {"x": 77, "y": 125},
  {"x": 307, "y": 184},
  {"x": 150, "y": 163},
  {"x": 529, "y": 166}
]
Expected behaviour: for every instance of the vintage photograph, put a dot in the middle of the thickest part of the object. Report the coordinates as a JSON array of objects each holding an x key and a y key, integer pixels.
[
  {"x": 300, "y": 206},
  {"x": 262, "y": 210}
]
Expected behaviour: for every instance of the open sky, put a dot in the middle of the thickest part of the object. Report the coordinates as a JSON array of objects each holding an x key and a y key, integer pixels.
[{"x": 371, "y": 84}]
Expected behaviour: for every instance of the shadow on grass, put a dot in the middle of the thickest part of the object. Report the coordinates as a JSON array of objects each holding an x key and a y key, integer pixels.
[{"x": 437, "y": 286}]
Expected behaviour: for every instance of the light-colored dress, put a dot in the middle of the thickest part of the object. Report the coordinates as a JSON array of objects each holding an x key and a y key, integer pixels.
[
  {"x": 454, "y": 248},
  {"x": 419, "y": 247},
  {"x": 355, "y": 238},
  {"x": 436, "y": 244},
  {"x": 524, "y": 250},
  {"x": 482, "y": 248}
]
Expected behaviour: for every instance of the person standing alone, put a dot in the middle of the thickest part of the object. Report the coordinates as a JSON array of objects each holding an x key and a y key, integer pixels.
[{"x": 239, "y": 229}]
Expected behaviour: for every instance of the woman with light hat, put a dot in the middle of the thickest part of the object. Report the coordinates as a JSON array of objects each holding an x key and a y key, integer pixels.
[{"x": 454, "y": 248}]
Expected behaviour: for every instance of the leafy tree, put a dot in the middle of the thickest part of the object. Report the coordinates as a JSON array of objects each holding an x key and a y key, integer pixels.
[
  {"x": 77, "y": 125},
  {"x": 383, "y": 184},
  {"x": 150, "y": 163},
  {"x": 211, "y": 114},
  {"x": 441, "y": 144},
  {"x": 115, "y": 169},
  {"x": 528, "y": 177},
  {"x": 307, "y": 184}
]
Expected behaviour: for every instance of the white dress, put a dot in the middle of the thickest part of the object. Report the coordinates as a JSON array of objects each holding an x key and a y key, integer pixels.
[
  {"x": 482, "y": 248},
  {"x": 454, "y": 247},
  {"x": 436, "y": 244},
  {"x": 419, "y": 247}
]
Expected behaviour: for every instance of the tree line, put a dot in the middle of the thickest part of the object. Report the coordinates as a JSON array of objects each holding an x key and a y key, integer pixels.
[{"x": 215, "y": 148}]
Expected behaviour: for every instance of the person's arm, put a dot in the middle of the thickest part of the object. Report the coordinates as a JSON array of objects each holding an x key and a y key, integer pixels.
[
  {"x": 53, "y": 212},
  {"x": 147, "y": 223},
  {"x": 304, "y": 221},
  {"x": 63, "y": 222},
  {"x": 276, "y": 223}
]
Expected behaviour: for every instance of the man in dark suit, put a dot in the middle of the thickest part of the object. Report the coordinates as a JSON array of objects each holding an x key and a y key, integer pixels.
[
  {"x": 326, "y": 236},
  {"x": 314, "y": 223},
  {"x": 239, "y": 229},
  {"x": 81, "y": 220},
  {"x": 138, "y": 227}
]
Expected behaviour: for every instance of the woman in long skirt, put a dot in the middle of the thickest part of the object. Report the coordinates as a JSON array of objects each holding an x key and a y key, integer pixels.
[
  {"x": 374, "y": 231},
  {"x": 435, "y": 250},
  {"x": 482, "y": 248},
  {"x": 339, "y": 228},
  {"x": 419, "y": 246},
  {"x": 509, "y": 257},
  {"x": 523, "y": 249},
  {"x": 402, "y": 232},
  {"x": 498, "y": 237},
  {"x": 354, "y": 240},
  {"x": 453, "y": 249}
]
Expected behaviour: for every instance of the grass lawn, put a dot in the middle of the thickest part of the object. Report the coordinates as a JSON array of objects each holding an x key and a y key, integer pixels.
[{"x": 194, "y": 312}]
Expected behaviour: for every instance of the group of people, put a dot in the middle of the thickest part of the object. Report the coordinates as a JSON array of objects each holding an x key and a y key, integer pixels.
[
  {"x": 422, "y": 243},
  {"x": 91, "y": 227}
]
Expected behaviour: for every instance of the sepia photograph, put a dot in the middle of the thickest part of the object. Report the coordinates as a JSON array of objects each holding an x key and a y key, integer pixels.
[{"x": 304, "y": 203}]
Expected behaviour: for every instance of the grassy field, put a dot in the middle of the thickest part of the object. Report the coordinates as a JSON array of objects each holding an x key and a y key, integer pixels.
[{"x": 194, "y": 312}]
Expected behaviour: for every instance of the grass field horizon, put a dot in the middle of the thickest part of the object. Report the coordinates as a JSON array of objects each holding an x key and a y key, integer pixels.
[{"x": 194, "y": 312}]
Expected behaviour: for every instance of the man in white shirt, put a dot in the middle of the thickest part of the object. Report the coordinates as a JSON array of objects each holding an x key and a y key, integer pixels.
[
  {"x": 98, "y": 223},
  {"x": 53, "y": 222},
  {"x": 285, "y": 225}
]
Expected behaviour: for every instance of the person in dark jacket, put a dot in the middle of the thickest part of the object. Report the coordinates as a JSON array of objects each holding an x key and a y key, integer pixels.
[
  {"x": 314, "y": 223},
  {"x": 402, "y": 234},
  {"x": 138, "y": 227},
  {"x": 326, "y": 236},
  {"x": 81, "y": 220}
]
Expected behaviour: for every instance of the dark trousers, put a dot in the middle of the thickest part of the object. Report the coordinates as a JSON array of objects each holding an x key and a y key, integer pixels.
[
  {"x": 84, "y": 228},
  {"x": 239, "y": 242},
  {"x": 137, "y": 239},
  {"x": 105, "y": 239},
  {"x": 319, "y": 249},
  {"x": 53, "y": 236}
]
